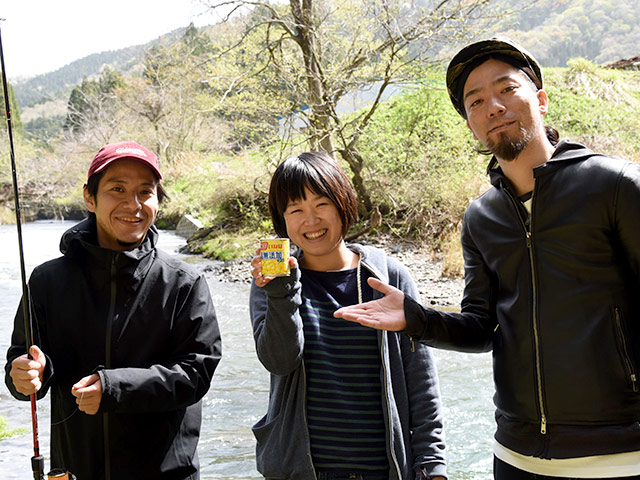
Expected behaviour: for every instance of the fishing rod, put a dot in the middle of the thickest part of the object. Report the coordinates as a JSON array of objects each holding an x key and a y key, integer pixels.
[{"x": 37, "y": 461}]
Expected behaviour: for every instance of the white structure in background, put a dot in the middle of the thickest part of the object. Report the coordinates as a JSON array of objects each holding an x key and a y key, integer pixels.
[{"x": 351, "y": 102}]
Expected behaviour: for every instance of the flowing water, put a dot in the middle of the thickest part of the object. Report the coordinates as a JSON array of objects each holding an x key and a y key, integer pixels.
[{"x": 239, "y": 391}]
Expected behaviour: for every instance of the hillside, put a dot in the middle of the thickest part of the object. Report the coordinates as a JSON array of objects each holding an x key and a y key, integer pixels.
[
  {"x": 57, "y": 85},
  {"x": 602, "y": 31}
]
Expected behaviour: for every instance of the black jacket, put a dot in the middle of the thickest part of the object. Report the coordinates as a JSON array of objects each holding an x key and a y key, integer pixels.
[
  {"x": 146, "y": 323},
  {"x": 556, "y": 297}
]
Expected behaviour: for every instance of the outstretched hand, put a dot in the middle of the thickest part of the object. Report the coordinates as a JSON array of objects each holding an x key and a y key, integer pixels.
[{"x": 386, "y": 313}]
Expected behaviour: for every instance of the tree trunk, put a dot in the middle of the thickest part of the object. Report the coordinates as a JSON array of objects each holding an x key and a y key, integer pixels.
[
  {"x": 355, "y": 161},
  {"x": 320, "y": 138}
]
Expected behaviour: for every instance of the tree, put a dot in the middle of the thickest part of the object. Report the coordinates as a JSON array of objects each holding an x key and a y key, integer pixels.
[
  {"x": 168, "y": 94},
  {"x": 16, "y": 123},
  {"x": 318, "y": 52},
  {"x": 92, "y": 105}
]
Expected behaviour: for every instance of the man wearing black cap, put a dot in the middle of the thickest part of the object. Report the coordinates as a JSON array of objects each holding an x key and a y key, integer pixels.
[
  {"x": 127, "y": 337},
  {"x": 552, "y": 277}
]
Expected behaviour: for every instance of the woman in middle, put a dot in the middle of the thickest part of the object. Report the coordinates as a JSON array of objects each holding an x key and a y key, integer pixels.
[{"x": 346, "y": 401}]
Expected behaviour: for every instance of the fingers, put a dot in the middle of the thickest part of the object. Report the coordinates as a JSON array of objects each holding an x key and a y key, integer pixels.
[
  {"x": 27, "y": 373},
  {"x": 359, "y": 315},
  {"x": 84, "y": 383},
  {"x": 380, "y": 286},
  {"x": 37, "y": 355},
  {"x": 256, "y": 269},
  {"x": 351, "y": 313},
  {"x": 88, "y": 393}
]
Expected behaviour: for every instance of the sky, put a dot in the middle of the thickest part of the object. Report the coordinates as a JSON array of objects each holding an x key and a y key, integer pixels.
[{"x": 40, "y": 36}]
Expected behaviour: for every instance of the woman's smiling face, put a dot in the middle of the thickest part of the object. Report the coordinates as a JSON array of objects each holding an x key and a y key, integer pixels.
[{"x": 314, "y": 224}]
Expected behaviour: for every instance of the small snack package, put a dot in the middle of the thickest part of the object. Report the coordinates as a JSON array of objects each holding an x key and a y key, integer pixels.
[{"x": 274, "y": 257}]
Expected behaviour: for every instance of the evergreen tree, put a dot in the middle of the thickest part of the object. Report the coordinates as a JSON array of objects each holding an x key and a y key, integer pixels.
[{"x": 16, "y": 123}]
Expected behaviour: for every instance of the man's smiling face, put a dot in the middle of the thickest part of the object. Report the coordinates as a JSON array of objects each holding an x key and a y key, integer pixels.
[
  {"x": 504, "y": 109},
  {"x": 126, "y": 204}
]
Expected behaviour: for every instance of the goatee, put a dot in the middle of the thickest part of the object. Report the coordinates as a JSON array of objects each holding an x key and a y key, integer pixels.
[{"x": 509, "y": 147}]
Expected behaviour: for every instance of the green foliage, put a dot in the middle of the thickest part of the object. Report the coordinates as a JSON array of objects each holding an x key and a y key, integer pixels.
[
  {"x": 16, "y": 123},
  {"x": 43, "y": 131},
  {"x": 222, "y": 192},
  {"x": 89, "y": 101},
  {"x": 5, "y": 432},
  {"x": 556, "y": 31},
  {"x": 229, "y": 247},
  {"x": 596, "y": 106},
  {"x": 166, "y": 105},
  {"x": 418, "y": 143}
]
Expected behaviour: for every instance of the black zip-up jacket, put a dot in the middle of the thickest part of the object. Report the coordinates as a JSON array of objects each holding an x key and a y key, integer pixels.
[
  {"x": 146, "y": 323},
  {"x": 555, "y": 296}
]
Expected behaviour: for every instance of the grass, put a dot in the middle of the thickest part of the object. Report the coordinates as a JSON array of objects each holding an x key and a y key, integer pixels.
[{"x": 5, "y": 432}]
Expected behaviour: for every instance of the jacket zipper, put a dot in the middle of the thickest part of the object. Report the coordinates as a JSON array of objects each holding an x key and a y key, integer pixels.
[
  {"x": 105, "y": 416},
  {"x": 304, "y": 379},
  {"x": 625, "y": 351},
  {"x": 387, "y": 404},
  {"x": 385, "y": 373},
  {"x": 534, "y": 309}
]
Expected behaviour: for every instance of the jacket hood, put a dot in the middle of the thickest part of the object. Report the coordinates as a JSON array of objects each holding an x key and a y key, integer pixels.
[
  {"x": 83, "y": 236},
  {"x": 80, "y": 243}
]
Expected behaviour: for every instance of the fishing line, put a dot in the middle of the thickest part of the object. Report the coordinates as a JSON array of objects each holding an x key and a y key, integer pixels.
[{"x": 72, "y": 413}]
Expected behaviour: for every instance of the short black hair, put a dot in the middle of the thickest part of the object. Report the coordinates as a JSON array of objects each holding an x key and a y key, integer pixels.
[{"x": 318, "y": 172}]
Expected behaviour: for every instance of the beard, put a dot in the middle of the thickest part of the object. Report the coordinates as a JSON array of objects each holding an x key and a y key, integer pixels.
[{"x": 508, "y": 147}]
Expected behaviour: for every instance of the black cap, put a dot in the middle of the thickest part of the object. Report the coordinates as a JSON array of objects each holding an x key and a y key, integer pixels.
[{"x": 474, "y": 54}]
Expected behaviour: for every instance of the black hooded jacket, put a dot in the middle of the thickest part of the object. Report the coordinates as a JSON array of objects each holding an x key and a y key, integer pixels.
[
  {"x": 555, "y": 296},
  {"x": 146, "y": 324}
]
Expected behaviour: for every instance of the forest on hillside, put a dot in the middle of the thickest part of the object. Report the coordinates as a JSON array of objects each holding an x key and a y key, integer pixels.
[
  {"x": 360, "y": 79},
  {"x": 555, "y": 31}
]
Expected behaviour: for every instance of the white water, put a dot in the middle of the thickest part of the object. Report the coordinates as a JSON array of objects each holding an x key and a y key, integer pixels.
[{"x": 239, "y": 392}]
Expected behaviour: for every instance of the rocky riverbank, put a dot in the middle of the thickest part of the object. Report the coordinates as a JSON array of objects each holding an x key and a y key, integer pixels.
[{"x": 435, "y": 289}]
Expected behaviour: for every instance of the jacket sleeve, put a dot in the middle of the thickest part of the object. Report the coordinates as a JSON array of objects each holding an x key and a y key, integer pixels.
[
  {"x": 627, "y": 210},
  {"x": 18, "y": 346},
  {"x": 277, "y": 325},
  {"x": 472, "y": 329},
  {"x": 423, "y": 389},
  {"x": 184, "y": 378}
]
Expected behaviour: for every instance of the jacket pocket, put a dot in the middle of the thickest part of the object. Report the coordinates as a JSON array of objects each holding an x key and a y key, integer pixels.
[
  {"x": 270, "y": 447},
  {"x": 625, "y": 350}
]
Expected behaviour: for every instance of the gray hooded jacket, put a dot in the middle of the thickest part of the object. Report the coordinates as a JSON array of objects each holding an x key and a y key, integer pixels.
[{"x": 410, "y": 395}]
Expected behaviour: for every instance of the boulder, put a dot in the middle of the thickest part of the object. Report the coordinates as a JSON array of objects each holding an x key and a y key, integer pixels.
[{"x": 188, "y": 225}]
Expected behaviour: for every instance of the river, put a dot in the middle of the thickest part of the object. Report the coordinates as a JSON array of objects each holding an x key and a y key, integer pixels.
[{"x": 239, "y": 391}]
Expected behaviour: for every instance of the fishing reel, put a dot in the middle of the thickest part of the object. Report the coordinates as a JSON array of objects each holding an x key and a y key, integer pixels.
[{"x": 60, "y": 474}]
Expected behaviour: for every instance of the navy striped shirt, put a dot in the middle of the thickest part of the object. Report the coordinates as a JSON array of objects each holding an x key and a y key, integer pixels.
[{"x": 342, "y": 363}]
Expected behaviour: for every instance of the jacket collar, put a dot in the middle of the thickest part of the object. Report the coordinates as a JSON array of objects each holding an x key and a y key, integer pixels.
[
  {"x": 81, "y": 242},
  {"x": 565, "y": 151}
]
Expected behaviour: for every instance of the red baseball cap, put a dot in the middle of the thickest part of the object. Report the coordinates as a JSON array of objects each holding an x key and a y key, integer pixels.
[{"x": 115, "y": 151}]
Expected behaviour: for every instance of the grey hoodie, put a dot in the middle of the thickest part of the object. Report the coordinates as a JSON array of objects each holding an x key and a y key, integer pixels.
[{"x": 410, "y": 396}]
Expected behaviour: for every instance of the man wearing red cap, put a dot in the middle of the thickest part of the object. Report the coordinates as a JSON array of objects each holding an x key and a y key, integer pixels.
[
  {"x": 127, "y": 337},
  {"x": 552, "y": 276}
]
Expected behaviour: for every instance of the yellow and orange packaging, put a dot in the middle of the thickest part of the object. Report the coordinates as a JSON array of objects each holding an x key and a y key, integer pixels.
[{"x": 274, "y": 257}]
